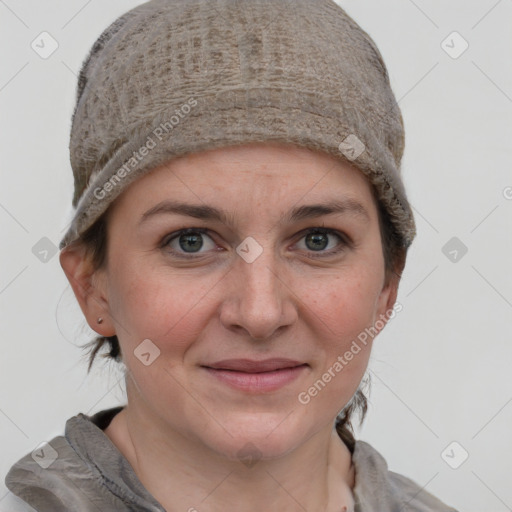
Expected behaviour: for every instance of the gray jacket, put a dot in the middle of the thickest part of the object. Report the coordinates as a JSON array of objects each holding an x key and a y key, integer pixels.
[{"x": 83, "y": 471}]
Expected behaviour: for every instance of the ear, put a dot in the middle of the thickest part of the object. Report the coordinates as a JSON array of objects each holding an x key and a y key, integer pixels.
[
  {"x": 89, "y": 286},
  {"x": 387, "y": 297}
]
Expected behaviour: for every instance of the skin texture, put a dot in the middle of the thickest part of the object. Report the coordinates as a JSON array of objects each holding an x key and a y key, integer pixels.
[{"x": 184, "y": 430}]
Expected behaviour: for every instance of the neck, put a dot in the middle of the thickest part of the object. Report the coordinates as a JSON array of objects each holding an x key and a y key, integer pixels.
[{"x": 183, "y": 474}]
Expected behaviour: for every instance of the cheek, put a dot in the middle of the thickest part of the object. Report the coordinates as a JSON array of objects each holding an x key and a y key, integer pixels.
[
  {"x": 344, "y": 305},
  {"x": 159, "y": 305},
  {"x": 340, "y": 315}
]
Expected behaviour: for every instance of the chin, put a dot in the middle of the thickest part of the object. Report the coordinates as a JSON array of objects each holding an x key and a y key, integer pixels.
[{"x": 257, "y": 437}]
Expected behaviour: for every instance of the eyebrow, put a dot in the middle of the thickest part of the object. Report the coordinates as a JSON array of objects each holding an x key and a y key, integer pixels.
[{"x": 347, "y": 206}]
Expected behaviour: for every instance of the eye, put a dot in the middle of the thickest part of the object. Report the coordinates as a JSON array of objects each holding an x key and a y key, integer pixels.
[
  {"x": 316, "y": 240},
  {"x": 189, "y": 241}
]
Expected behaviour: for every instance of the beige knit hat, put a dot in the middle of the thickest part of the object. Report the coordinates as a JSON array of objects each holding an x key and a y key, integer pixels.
[{"x": 172, "y": 77}]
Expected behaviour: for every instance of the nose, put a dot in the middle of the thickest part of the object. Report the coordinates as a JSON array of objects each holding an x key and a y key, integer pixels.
[{"x": 258, "y": 300}]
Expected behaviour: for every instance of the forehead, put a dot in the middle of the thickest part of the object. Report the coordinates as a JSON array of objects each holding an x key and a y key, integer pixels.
[{"x": 270, "y": 175}]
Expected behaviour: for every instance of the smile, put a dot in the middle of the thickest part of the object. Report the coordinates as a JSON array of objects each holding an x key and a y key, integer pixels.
[{"x": 256, "y": 376}]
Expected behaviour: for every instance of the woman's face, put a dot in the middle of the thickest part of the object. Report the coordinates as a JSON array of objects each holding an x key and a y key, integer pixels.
[{"x": 282, "y": 261}]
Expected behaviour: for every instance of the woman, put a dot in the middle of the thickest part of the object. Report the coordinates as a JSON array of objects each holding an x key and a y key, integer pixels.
[{"x": 240, "y": 232}]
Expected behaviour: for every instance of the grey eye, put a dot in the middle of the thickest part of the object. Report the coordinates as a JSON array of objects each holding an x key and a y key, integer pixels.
[
  {"x": 317, "y": 241},
  {"x": 190, "y": 241}
]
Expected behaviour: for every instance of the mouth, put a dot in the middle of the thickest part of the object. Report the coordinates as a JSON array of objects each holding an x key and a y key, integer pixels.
[
  {"x": 256, "y": 376},
  {"x": 254, "y": 366}
]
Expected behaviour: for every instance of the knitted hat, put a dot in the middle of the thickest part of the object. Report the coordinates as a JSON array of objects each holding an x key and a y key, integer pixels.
[{"x": 172, "y": 77}]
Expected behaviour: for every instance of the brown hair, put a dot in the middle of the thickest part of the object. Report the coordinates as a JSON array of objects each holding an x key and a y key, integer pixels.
[{"x": 94, "y": 240}]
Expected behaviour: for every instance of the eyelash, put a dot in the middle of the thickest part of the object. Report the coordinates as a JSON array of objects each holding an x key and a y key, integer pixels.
[{"x": 343, "y": 239}]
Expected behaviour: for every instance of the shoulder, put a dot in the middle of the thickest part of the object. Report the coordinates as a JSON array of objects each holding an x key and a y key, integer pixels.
[
  {"x": 54, "y": 478},
  {"x": 80, "y": 471},
  {"x": 12, "y": 503},
  {"x": 377, "y": 489}
]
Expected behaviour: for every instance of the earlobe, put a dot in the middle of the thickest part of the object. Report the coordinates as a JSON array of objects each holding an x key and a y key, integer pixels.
[{"x": 88, "y": 289}]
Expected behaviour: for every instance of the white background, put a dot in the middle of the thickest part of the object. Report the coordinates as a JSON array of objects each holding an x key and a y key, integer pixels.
[{"x": 441, "y": 368}]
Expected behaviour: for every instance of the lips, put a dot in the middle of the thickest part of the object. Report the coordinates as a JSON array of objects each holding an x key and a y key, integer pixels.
[
  {"x": 252, "y": 376},
  {"x": 254, "y": 366}
]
